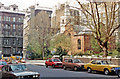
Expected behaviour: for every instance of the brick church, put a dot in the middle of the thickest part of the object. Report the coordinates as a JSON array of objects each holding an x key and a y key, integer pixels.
[{"x": 80, "y": 41}]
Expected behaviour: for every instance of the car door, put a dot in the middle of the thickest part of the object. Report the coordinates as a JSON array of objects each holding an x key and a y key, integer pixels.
[
  {"x": 70, "y": 62},
  {"x": 47, "y": 62},
  {"x": 93, "y": 65},
  {"x": 50, "y": 62},
  {"x": 4, "y": 72},
  {"x": 98, "y": 66},
  {"x": 65, "y": 62}
]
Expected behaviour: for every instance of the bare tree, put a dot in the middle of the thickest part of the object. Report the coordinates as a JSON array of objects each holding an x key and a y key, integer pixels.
[
  {"x": 41, "y": 33},
  {"x": 101, "y": 18}
]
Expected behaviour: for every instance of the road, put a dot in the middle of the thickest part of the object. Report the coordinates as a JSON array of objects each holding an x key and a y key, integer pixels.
[{"x": 58, "y": 72}]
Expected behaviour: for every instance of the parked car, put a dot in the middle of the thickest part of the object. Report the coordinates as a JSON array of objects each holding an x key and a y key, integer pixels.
[
  {"x": 22, "y": 61},
  {"x": 54, "y": 62},
  {"x": 117, "y": 71},
  {"x": 18, "y": 71},
  {"x": 2, "y": 63},
  {"x": 11, "y": 61},
  {"x": 100, "y": 65},
  {"x": 74, "y": 64}
]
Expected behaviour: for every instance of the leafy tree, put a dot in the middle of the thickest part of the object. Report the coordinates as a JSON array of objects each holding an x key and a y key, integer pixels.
[
  {"x": 61, "y": 40},
  {"x": 102, "y": 27},
  {"x": 34, "y": 51},
  {"x": 94, "y": 45},
  {"x": 118, "y": 46},
  {"x": 60, "y": 52}
]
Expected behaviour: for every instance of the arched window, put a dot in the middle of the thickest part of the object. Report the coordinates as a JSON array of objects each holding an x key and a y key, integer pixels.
[
  {"x": 63, "y": 21},
  {"x": 79, "y": 44}
]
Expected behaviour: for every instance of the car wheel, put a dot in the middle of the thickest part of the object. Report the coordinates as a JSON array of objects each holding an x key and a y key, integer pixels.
[
  {"x": 46, "y": 66},
  {"x": 75, "y": 68},
  {"x": 118, "y": 74},
  {"x": 89, "y": 70},
  {"x": 106, "y": 71},
  {"x": 64, "y": 67},
  {"x": 53, "y": 66}
]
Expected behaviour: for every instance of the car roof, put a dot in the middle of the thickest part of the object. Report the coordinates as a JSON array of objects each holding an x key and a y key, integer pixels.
[
  {"x": 70, "y": 58},
  {"x": 15, "y": 64},
  {"x": 99, "y": 60},
  {"x": 53, "y": 58}
]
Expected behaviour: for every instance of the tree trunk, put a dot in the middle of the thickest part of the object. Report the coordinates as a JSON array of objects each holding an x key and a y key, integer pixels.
[
  {"x": 105, "y": 54},
  {"x": 105, "y": 49},
  {"x": 43, "y": 54}
]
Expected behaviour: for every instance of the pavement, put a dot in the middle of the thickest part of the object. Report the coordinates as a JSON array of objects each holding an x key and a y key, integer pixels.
[{"x": 36, "y": 62}]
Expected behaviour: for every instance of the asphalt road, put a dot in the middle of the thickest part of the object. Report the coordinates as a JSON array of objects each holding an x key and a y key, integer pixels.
[{"x": 65, "y": 74}]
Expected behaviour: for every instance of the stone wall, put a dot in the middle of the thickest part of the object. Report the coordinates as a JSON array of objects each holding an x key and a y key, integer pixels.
[{"x": 115, "y": 61}]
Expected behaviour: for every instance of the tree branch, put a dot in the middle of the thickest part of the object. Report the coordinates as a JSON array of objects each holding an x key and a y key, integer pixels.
[{"x": 114, "y": 30}]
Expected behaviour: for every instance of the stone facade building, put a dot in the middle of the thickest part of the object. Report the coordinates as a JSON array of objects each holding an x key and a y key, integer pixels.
[
  {"x": 11, "y": 30},
  {"x": 65, "y": 14}
]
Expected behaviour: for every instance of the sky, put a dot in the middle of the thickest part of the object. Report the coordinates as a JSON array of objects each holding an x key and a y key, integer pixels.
[{"x": 23, "y": 4}]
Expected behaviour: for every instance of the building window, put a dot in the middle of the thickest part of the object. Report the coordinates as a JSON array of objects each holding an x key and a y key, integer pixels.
[
  {"x": 63, "y": 21},
  {"x": 4, "y": 41},
  {"x": 0, "y": 25},
  {"x": 6, "y": 33},
  {"x": 14, "y": 9},
  {"x": 13, "y": 26},
  {"x": 19, "y": 34},
  {"x": 9, "y": 18},
  {"x": 6, "y": 26},
  {"x": 4, "y": 18},
  {"x": 13, "y": 42},
  {"x": 13, "y": 50},
  {"x": 14, "y": 33},
  {"x": 79, "y": 44},
  {"x": 18, "y": 41},
  {"x": 0, "y": 18},
  {"x": 49, "y": 13},
  {"x": 13, "y": 19},
  {"x": 7, "y": 41},
  {"x": 18, "y": 19},
  {"x": 19, "y": 26}
]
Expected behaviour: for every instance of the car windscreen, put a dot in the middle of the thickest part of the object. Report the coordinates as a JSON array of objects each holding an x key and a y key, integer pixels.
[
  {"x": 56, "y": 60},
  {"x": 77, "y": 61},
  {"x": 3, "y": 63},
  {"x": 106, "y": 63},
  {"x": 18, "y": 67},
  {"x": 110, "y": 63}
]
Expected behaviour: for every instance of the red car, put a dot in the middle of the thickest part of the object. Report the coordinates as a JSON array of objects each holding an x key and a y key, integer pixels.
[
  {"x": 54, "y": 62},
  {"x": 2, "y": 63}
]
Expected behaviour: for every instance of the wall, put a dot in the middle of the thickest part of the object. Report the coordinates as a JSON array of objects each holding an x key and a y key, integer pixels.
[{"x": 115, "y": 61}]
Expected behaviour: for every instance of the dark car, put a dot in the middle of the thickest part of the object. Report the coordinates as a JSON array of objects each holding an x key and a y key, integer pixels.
[
  {"x": 74, "y": 64},
  {"x": 2, "y": 63},
  {"x": 18, "y": 71},
  {"x": 54, "y": 62},
  {"x": 117, "y": 70}
]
